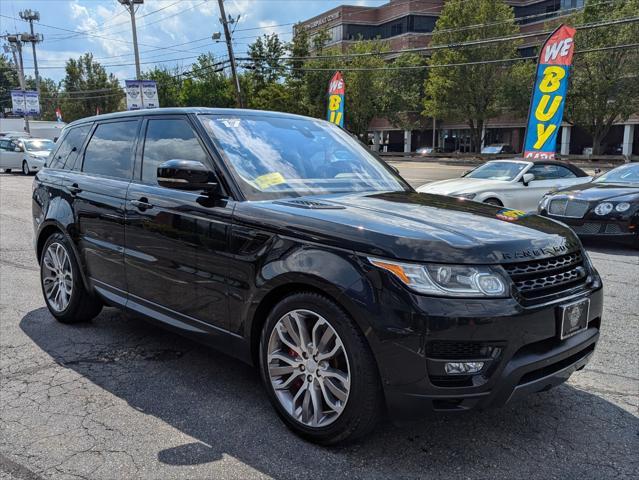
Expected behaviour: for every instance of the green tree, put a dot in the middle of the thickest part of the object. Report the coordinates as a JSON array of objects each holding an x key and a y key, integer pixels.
[
  {"x": 206, "y": 86},
  {"x": 266, "y": 54},
  {"x": 8, "y": 80},
  {"x": 169, "y": 84},
  {"x": 471, "y": 93},
  {"x": 604, "y": 85},
  {"x": 275, "y": 96},
  {"x": 87, "y": 87},
  {"x": 314, "y": 89},
  {"x": 366, "y": 88},
  {"x": 404, "y": 91}
]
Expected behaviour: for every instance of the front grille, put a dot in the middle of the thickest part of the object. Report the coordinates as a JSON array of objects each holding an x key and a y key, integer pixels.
[
  {"x": 593, "y": 228},
  {"x": 566, "y": 207},
  {"x": 539, "y": 279},
  {"x": 588, "y": 228}
]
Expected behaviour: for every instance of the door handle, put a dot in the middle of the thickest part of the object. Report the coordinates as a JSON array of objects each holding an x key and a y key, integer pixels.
[
  {"x": 74, "y": 189},
  {"x": 142, "y": 204}
]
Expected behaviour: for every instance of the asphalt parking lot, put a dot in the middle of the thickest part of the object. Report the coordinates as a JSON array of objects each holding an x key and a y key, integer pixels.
[{"x": 120, "y": 399}]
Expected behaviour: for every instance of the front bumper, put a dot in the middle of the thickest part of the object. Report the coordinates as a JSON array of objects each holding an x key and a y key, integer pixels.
[
  {"x": 525, "y": 373},
  {"x": 528, "y": 354},
  {"x": 616, "y": 227}
]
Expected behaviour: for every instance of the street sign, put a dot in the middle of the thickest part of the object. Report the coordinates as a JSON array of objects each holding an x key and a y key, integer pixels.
[
  {"x": 25, "y": 102},
  {"x": 141, "y": 94}
]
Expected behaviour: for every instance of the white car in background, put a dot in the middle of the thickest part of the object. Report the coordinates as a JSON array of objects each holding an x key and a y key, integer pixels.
[
  {"x": 26, "y": 154},
  {"x": 517, "y": 184}
]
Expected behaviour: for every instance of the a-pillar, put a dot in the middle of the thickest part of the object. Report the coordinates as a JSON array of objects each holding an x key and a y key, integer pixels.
[
  {"x": 566, "y": 130},
  {"x": 407, "y": 140},
  {"x": 628, "y": 138}
]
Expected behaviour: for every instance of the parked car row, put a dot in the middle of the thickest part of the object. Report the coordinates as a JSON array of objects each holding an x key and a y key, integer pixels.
[{"x": 604, "y": 207}]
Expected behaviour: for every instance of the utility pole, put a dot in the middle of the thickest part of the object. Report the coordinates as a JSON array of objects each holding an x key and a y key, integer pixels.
[
  {"x": 130, "y": 6},
  {"x": 30, "y": 16},
  {"x": 229, "y": 44},
  {"x": 16, "y": 45}
]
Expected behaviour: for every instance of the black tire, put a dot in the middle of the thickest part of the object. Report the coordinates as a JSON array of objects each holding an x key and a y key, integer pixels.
[
  {"x": 82, "y": 305},
  {"x": 7, "y": 170},
  {"x": 493, "y": 201},
  {"x": 365, "y": 406},
  {"x": 25, "y": 168}
]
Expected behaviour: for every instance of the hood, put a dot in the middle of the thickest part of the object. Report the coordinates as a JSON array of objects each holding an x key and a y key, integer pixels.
[
  {"x": 413, "y": 226},
  {"x": 461, "y": 185},
  {"x": 598, "y": 192}
]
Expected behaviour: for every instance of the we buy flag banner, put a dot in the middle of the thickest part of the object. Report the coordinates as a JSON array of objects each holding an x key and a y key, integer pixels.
[
  {"x": 336, "y": 90},
  {"x": 549, "y": 94}
]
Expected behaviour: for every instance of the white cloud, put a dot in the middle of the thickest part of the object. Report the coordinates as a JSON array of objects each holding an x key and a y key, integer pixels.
[{"x": 87, "y": 20}]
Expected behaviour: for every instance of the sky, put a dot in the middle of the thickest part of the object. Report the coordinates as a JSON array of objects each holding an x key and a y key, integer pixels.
[{"x": 170, "y": 32}]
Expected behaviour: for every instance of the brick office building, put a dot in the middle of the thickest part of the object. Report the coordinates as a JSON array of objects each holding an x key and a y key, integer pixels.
[{"x": 409, "y": 24}]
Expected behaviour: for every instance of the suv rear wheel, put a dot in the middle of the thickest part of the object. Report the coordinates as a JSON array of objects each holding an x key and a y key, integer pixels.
[
  {"x": 319, "y": 371},
  {"x": 62, "y": 287}
]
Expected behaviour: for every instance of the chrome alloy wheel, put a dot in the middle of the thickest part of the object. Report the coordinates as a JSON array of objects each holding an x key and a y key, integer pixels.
[
  {"x": 308, "y": 368},
  {"x": 57, "y": 276}
]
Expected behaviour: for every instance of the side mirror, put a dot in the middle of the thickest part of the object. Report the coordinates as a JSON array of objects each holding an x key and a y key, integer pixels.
[
  {"x": 188, "y": 175},
  {"x": 527, "y": 178},
  {"x": 17, "y": 149},
  {"x": 465, "y": 173}
]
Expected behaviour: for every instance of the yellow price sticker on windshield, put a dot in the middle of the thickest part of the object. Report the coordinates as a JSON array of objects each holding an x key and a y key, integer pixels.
[{"x": 269, "y": 180}]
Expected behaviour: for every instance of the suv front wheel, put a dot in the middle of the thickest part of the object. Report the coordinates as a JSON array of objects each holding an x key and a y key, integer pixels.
[
  {"x": 62, "y": 287},
  {"x": 319, "y": 371}
]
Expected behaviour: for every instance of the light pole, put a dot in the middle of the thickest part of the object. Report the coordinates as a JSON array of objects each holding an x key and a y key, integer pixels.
[
  {"x": 130, "y": 6},
  {"x": 30, "y": 16},
  {"x": 229, "y": 44},
  {"x": 16, "y": 45}
]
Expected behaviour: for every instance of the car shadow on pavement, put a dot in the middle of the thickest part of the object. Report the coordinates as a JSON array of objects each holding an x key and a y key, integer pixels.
[{"x": 219, "y": 403}]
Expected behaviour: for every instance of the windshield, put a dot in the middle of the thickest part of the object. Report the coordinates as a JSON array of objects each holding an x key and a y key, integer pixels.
[
  {"x": 498, "y": 170},
  {"x": 491, "y": 149},
  {"x": 623, "y": 174},
  {"x": 275, "y": 157},
  {"x": 39, "y": 145}
]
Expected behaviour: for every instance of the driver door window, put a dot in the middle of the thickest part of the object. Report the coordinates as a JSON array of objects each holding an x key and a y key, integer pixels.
[{"x": 168, "y": 139}]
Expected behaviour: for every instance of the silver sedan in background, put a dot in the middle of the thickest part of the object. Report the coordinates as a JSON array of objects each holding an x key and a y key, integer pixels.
[{"x": 26, "y": 154}]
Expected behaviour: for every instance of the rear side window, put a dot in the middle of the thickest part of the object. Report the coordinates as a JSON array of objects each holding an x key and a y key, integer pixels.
[
  {"x": 70, "y": 144},
  {"x": 110, "y": 150},
  {"x": 168, "y": 139}
]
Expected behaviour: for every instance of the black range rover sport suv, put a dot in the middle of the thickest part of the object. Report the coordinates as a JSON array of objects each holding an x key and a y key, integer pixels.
[{"x": 284, "y": 242}]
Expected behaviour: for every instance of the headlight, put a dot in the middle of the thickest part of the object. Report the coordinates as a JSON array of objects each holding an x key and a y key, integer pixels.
[
  {"x": 468, "y": 196},
  {"x": 446, "y": 280},
  {"x": 603, "y": 208},
  {"x": 622, "y": 207}
]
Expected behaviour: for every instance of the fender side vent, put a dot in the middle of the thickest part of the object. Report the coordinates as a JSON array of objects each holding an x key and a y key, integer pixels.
[{"x": 310, "y": 204}]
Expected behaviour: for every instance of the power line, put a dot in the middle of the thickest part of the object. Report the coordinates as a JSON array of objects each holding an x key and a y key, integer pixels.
[
  {"x": 461, "y": 64},
  {"x": 471, "y": 43}
]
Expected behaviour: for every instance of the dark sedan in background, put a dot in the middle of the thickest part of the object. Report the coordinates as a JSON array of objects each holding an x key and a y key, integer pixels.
[{"x": 607, "y": 208}]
